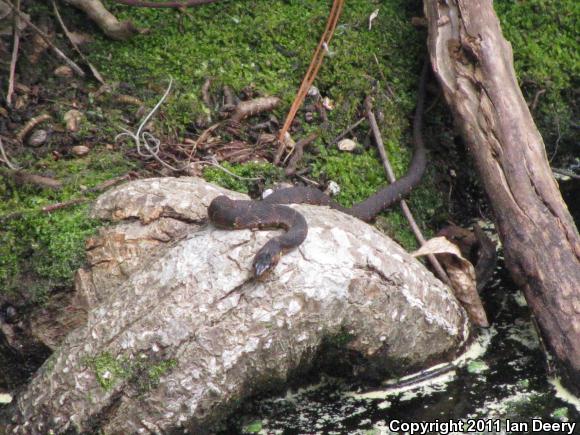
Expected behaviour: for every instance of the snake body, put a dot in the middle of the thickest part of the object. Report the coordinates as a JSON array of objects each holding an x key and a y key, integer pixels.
[{"x": 226, "y": 213}]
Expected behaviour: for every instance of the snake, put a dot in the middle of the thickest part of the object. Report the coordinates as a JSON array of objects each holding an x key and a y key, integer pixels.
[{"x": 273, "y": 212}]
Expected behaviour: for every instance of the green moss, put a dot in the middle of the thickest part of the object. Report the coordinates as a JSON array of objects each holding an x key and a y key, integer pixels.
[
  {"x": 151, "y": 373},
  {"x": 266, "y": 174},
  {"x": 561, "y": 414},
  {"x": 264, "y": 44},
  {"x": 341, "y": 339},
  {"x": 253, "y": 427},
  {"x": 109, "y": 370},
  {"x": 40, "y": 251},
  {"x": 360, "y": 176},
  {"x": 144, "y": 373},
  {"x": 527, "y": 406},
  {"x": 477, "y": 367}
]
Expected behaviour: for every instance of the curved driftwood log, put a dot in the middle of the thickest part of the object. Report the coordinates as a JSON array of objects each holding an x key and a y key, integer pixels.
[
  {"x": 474, "y": 65},
  {"x": 170, "y": 296}
]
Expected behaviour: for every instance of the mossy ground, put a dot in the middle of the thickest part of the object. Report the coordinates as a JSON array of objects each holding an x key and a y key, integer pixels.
[
  {"x": 267, "y": 45},
  {"x": 40, "y": 251}
]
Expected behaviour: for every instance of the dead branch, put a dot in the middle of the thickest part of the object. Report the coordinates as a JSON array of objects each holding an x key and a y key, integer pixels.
[
  {"x": 229, "y": 97},
  {"x": 474, "y": 65},
  {"x": 94, "y": 71},
  {"x": 106, "y": 21},
  {"x": 311, "y": 73},
  {"x": 22, "y": 177},
  {"x": 169, "y": 4},
  {"x": 253, "y": 107},
  {"x": 566, "y": 172},
  {"x": 391, "y": 177},
  {"x": 15, "y": 47}
]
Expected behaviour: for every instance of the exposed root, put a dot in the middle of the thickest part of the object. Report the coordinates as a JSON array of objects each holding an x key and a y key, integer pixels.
[
  {"x": 29, "y": 126},
  {"x": 106, "y": 21}
]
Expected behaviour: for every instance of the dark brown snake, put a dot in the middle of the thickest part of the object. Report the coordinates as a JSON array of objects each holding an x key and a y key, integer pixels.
[{"x": 226, "y": 213}]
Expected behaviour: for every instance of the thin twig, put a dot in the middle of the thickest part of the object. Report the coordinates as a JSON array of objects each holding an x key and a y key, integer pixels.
[
  {"x": 5, "y": 158},
  {"x": 311, "y": 73},
  {"x": 112, "y": 182},
  {"x": 94, "y": 70},
  {"x": 389, "y": 90},
  {"x": 566, "y": 172},
  {"x": 46, "y": 39},
  {"x": 213, "y": 162},
  {"x": 404, "y": 207},
  {"x": 205, "y": 94},
  {"x": 64, "y": 204},
  {"x": 169, "y": 4},
  {"x": 536, "y": 99},
  {"x": 346, "y": 132},
  {"x": 15, "y": 47},
  {"x": 557, "y": 140}
]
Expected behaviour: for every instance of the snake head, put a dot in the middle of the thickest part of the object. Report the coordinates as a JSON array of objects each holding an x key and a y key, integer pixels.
[{"x": 265, "y": 260}]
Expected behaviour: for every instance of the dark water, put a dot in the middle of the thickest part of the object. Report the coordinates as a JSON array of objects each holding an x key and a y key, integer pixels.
[{"x": 507, "y": 380}]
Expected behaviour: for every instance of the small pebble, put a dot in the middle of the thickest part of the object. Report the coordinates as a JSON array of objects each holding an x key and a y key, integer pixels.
[
  {"x": 11, "y": 314},
  {"x": 37, "y": 138},
  {"x": 309, "y": 117},
  {"x": 346, "y": 145},
  {"x": 333, "y": 188},
  {"x": 267, "y": 192},
  {"x": 80, "y": 150}
]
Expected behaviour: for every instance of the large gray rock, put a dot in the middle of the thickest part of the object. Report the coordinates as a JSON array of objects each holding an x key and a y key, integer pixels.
[{"x": 178, "y": 331}]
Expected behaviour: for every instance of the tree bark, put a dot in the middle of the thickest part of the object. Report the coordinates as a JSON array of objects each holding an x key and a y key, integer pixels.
[
  {"x": 178, "y": 331},
  {"x": 474, "y": 65}
]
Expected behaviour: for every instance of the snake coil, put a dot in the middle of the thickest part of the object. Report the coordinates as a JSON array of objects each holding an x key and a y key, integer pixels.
[{"x": 226, "y": 213}]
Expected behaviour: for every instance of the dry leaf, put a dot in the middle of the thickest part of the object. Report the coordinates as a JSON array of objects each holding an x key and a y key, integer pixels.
[
  {"x": 328, "y": 103},
  {"x": 462, "y": 276}
]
